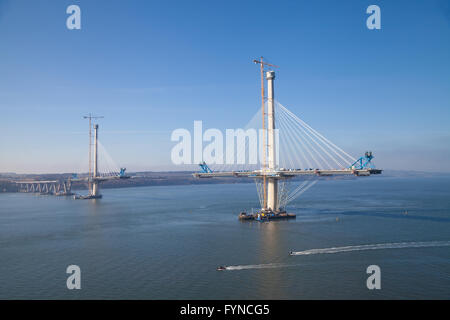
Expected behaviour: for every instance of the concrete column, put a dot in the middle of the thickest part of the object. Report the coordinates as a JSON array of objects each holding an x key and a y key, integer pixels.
[
  {"x": 95, "y": 189},
  {"x": 95, "y": 186},
  {"x": 270, "y": 75},
  {"x": 272, "y": 183},
  {"x": 272, "y": 194},
  {"x": 95, "y": 150}
]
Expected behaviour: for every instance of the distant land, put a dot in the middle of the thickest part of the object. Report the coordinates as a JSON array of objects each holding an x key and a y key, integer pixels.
[
  {"x": 137, "y": 179},
  {"x": 165, "y": 178}
]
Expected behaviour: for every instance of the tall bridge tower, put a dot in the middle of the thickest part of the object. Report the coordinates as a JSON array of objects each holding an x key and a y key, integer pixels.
[
  {"x": 94, "y": 177},
  {"x": 272, "y": 182},
  {"x": 95, "y": 192},
  {"x": 302, "y": 146}
]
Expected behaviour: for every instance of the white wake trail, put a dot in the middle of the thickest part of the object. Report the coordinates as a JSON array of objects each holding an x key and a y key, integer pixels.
[
  {"x": 398, "y": 245},
  {"x": 260, "y": 266},
  {"x": 379, "y": 246}
]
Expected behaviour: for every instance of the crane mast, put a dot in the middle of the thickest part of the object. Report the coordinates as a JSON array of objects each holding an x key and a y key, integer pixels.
[
  {"x": 262, "y": 64},
  {"x": 90, "y": 175}
]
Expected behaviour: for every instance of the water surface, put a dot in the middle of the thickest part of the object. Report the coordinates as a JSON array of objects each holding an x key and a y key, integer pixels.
[{"x": 165, "y": 242}]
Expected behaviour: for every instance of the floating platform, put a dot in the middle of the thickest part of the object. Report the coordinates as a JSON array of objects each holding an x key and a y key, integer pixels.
[
  {"x": 78, "y": 197},
  {"x": 64, "y": 194},
  {"x": 266, "y": 216}
]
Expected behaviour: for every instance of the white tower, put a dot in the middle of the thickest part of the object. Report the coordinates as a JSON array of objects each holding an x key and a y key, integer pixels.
[
  {"x": 95, "y": 185},
  {"x": 272, "y": 183}
]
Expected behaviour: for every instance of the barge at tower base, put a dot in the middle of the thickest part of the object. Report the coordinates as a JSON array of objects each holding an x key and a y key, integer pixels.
[{"x": 266, "y": 216}]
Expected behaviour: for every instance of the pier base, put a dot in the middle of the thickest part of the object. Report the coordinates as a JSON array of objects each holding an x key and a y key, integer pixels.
[
  {"x": 266, "y": 216},
  {"x": 78, "y": 197}
]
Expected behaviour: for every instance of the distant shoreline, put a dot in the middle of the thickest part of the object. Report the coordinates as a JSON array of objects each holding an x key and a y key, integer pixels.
[{"x": 168, "y": 178}]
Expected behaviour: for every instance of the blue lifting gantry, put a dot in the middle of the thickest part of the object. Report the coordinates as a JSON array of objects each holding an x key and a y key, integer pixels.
[
  {"x": 122, "y": 172},
  {"x": 205, "y": 168},
  {"x": 364, "y": 162}
]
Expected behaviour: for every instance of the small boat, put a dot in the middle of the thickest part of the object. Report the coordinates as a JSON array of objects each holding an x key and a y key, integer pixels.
[
  {"x": 221, "y": 268},
  {"x": 291, "y": 253}
]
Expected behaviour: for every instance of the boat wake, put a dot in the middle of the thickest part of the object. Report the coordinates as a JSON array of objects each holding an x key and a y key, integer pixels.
[
  {"x": 398, "y": 245},
  {"x": 260, "y": 266}
]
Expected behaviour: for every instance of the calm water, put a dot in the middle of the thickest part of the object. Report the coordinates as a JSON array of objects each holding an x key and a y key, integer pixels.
[{"x": 166, "y": 242}]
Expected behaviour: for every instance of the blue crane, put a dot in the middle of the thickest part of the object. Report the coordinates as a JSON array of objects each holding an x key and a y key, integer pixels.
[
  {"x": 205, "y": 168},
  {"x": 365, "y": 162}
]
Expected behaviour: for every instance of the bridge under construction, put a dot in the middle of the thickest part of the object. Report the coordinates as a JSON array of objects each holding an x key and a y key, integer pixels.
[
  {"x": 302, "y": 151},
  {"x": 93, "y": 179}
]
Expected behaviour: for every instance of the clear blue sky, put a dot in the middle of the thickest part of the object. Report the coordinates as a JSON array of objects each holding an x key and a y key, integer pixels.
[{"x": 153, "y": 66}]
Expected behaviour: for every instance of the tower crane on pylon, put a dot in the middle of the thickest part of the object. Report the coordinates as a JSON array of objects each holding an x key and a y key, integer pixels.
[
  {"x": 91, "y": 117},
  {"x": 275, "y": 196},
  {"x": 262, "y": 64}
]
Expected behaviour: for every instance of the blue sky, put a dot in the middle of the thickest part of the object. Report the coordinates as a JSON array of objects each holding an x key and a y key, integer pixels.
[{"x": 153, "y": 66}]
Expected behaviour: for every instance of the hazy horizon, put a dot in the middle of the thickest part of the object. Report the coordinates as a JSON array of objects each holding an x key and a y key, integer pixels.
[{"x": 196, "y": 168}]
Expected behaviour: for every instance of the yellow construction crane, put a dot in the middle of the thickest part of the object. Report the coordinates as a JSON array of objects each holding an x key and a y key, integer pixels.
[
  {"x": 90, "y": 117},
  {"x": 262, "y": 64}
]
